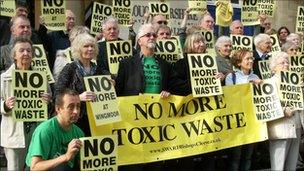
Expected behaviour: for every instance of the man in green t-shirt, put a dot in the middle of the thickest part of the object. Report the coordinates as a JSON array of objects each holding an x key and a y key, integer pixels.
[{"x": 55, "y": 142}]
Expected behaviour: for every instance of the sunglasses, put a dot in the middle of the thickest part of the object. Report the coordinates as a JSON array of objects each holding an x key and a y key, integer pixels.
[{"x": 162, "y": 22}]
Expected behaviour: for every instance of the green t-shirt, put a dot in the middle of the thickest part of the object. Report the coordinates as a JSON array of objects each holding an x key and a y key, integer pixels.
[
  {"x": 152, "y": 75},
  {"x": 50, "y": 141}
]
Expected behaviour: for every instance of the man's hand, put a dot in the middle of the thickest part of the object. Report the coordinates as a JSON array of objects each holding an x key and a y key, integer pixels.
[{"x": 73, "y": 149}]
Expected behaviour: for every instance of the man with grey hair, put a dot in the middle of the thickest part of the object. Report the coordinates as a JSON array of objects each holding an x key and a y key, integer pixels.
[
  {"x": 237, "y": 27},
  {"x": 207, "y": 22},
  {"x": 144, "y": 72},
  {"x": 263, "y": 46},
  {"x": 110, "y": 32}
]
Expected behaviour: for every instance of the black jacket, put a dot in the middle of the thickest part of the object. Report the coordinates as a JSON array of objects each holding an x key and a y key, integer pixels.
[
  {"x": 255, "y": 66},
  {"x": 130, "y": 77}
]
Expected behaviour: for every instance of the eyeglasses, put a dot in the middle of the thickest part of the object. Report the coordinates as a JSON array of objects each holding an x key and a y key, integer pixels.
[
  {"x": 162, "y": 22},
  {"x": 150, "y": 35},
  {"x": 165, "y": 33}
]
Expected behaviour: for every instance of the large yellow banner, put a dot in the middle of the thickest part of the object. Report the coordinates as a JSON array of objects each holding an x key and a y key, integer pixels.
[{"x": 159, "y": 129}]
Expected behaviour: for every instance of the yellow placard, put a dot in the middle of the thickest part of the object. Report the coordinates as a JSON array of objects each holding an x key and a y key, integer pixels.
[
  {"x": 100, "y": 13},
  {"x": 300, "y": 20},
  {"x": 266, "y": 101},
  {"x": 28, "y": 87},
  {"x": 122, "y": 11},
  {"x": 179, "y": 46},
  {"x": 99, "y": 153},
  {"x": 223, "y": 13},
  {"x": 275, "y": 43},
  {"x": 160, "y": 8},
  {"x": 241, "y": 42},
  {"x": 291, "y": 90},
  {"x": 264, "y": 69},
  {"x": 7, "y": 8},
  {"x": 53, "y": 12},
  {"x": 197, "y": 6},
  {"x": 250, "y": 13},
  {"x": 105, "y": 105},
  {"x": 203, "y": 70},
  {"x": 40, "y": 62},
  {"x": 159, "y": 129},
  {"x": 297, "y": 64},
  {"x": 168, "y": 50},
  {"x": 267, "y": 7},
  {"x": 68, "y": 54},
  {"x": 209, "y": 39},
  {"x": 117, "y": 51}
]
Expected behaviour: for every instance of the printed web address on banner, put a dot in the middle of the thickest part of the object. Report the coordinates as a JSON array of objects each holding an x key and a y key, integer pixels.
[{"x": 185, "y": 146}]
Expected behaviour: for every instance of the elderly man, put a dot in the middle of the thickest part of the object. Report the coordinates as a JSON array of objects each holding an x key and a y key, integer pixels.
[
  {"x": 110, "y": 32},
  {"x": 144, "y": 73},
  {"x": 237, "y": 27},
  {"x": 20, "y": 27},
  {"x": 207, "y": 22},
  {"x": 263, "y": 46},
  {"x": 57, "y": 40},
  {"x": 55, "y": 142}
]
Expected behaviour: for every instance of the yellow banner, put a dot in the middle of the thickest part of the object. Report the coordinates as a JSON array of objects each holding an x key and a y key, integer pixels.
[
  {"x": 100, "y": 13},
  {"x": 53, "y": 12},
  {"x": 159, "y": 129},
  {"x": 291, "y": 90},
  {"x": 40, "y": 62},
  {"x": 28, "y": 87},
  {"x": 197, "y": 6},
  {"x": 160, "y": 8},
  {"x": 266, "y": 101},
  {"x": 223, "y": 13},
  {"x": 168, "y": 50},
  {"x": 241, "y": 42},
  {"x": 106, "y": 99},
  {"x": 297, "y": 64},
  {"x": 264, "y": 69},
  {"x": 99, "y": 153},
  {"x": 250, "y": 13},
  {"x": 300, "y": 20},
  {"x": 7, "y": 8},
  {"x": 117, "y": 51},
  {"x": 203, "y": 69},
  {"x": 122, "y": 11},
  {"x": 267, "y": 7}
]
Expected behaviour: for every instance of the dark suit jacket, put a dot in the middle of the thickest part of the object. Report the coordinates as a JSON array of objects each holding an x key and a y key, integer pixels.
[{"x": 257, "y": 58}]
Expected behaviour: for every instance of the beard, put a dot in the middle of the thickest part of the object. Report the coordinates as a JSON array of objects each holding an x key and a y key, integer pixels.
[{"x": 151, "y": 45}]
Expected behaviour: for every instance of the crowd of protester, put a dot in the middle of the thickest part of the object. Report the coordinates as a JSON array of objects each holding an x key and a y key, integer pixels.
[{"x": 54, "y": 144}]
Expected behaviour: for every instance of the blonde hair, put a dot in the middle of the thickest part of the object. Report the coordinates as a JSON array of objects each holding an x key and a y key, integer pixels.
[
  {"x": 273, "y": 61},
  {"x": 80, "y": 41},
  {"x": 189, "y": 43},
  {"x": 76, "y": 30}
]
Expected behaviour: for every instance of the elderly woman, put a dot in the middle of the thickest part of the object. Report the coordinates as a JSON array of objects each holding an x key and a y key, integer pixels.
[
  {"x": 242, "y": 60},
  {"x": 290, "y": 48},
  {"x": 284, "y": 133},
  {"x": 84, "y": 50},
  {"x": 295, "y": 39},
  {"x": 223, "y": 48},
  {"x": 15, "y": 136},
  {"x": 195, "y": 43}
]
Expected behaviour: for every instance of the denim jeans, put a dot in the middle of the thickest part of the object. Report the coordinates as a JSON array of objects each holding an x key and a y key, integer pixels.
[{"x": 240, "y": 157}]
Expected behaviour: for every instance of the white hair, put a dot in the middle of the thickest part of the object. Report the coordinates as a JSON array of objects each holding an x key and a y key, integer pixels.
[
  {"x": 260, "y": 38},
  {"x": 142, "y": 30},
  {"x": 221, "y": 40},
  {"x": 109, "y": 20},
  {"x": 273, "y": 61},
  {"x": 233, "y": 23}
]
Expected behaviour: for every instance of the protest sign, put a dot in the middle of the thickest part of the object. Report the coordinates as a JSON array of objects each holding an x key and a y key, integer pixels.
[
  {"x": 197, "y": 6},
  {"x": 250, "y": 13},
  {"x": 100, "y": 13},
  {"x": 28, "y": 87},
  {"x": 168, "y": 50},
  {"x": 99, "y": 153},
  {"x": 267, "y": 7},
  {"x": 266, "y": 101},
  {"x": 163, "y": 8},
  {"x": 300, "y": 20},
  {"x": 264, "y": 69},
  {"x": 179, "y": 46},
  {"x": 209, "y": 38},
  {"x": 160, "y": 129},
  {"x": 203, "y": 69},
  {"x": 275, "y": 43},
  {"x": 117, "y": 51},
  {"x": 241, "y": 42},
  {"x": 290, "y": 90},
  {"x": 40, "y": 62},
  {"x": 106, "y": 99},
  {"x": 53, "y": 12},
  {"x": 7, "y": 8},
  {"x": 122, "y": 11},
  {"x": 297, "y": 65},
  {"x": 68, "y": 54}
]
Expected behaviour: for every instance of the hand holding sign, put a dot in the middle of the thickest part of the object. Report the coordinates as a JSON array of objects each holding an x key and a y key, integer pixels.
[
  {"x": 46, "y": 97},
  {"x": 9, "y": 103},
  {"x": 73, "y": 149},
  {"x": 87, "y": 96},
  {"x": 164, "y": 94}
]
